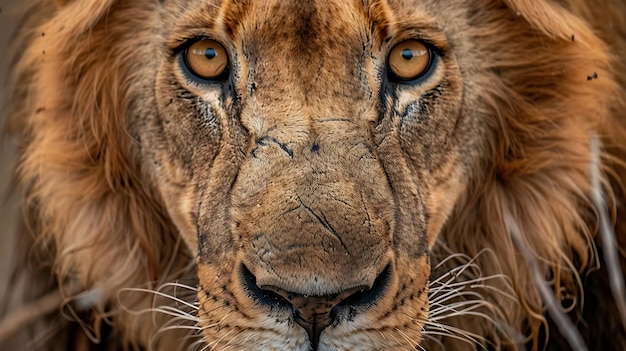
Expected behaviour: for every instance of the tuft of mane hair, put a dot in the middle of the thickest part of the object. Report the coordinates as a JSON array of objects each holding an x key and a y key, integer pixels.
[{"x": 538, "y": 172}]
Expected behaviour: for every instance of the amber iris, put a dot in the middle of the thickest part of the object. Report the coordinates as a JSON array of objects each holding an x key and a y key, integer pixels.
[
  {"x": 409, "y": 60},
  {"x": 206, "y": 59}
]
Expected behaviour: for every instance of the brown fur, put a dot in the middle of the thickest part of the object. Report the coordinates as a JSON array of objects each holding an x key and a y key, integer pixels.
[{"x": 311, "y": 170}]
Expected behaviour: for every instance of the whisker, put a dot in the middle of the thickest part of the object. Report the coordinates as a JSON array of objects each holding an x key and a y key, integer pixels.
[
  {"x": 459, "y": 307},
  {"x": 464, "y": 290},
  {"x": 435, "y": 330},
  {"x": 433, "y": 339},
  {"x": 216, "y": 324},
  {"x": 216, "y": 342},
  {"x": 411, "y": 342},
  {"x": 232, "y": 339},
  {"x": 182, "y": 313},
  {"x": 456, "y": 333},
  {"x": 178, "y": 285},
  {"x": 165, "y": 310},
  {"x": 441, "y": 301},
  {"x": 394, "y": 337},
  {"x": 434, "y": 322},
  {"x": 172, "y": 325},
  {"x": 161, "y": 294},
  {"x": 461, "y": 291},
  {"x": 172, "y": 311}
]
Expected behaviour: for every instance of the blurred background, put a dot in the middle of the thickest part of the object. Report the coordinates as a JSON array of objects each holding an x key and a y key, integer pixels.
[{"x": 8, "y": 209}]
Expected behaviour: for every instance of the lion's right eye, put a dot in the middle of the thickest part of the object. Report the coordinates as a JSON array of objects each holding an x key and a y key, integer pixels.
[
  {"x": 206, "y": 59},
  {"x": 410, "y": 60}
]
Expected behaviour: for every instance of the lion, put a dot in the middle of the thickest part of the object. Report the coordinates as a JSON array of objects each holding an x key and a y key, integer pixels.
[{"x": 317, "y": 175}]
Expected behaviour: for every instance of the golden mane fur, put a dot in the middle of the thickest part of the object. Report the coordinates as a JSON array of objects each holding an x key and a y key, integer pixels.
[{"x": 98, "y": 228}]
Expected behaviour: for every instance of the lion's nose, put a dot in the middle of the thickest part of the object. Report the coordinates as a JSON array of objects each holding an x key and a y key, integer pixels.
[{"x": 314, "y": 313}]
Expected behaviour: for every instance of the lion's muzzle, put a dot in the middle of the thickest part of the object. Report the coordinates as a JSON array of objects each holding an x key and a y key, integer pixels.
[{"x": 313, "y": 221}]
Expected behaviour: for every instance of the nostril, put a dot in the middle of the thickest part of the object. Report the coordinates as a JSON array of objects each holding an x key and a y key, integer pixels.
[
  {"x": 315, "y": 313},
  {"x": 365, "y": 299},
  {"x": 362, "y": 299},
  {"x": 261, "y": 296}
]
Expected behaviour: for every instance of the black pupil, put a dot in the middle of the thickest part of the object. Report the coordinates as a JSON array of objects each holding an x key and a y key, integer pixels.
[
  {"x": 210, "y": 53},
  {"x": 407, "y": 54}
]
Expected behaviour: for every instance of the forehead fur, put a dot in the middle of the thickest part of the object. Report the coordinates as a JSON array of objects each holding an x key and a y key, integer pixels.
[{"x": 307, "y": 19}]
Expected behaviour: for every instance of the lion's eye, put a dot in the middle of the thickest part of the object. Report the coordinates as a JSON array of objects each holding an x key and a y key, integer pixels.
[
  {"x": 409, "y": 60},
  {"x": 206, "y": 59}
]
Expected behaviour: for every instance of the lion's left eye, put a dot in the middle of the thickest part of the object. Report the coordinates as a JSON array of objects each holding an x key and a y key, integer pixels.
[
  {"x": 206, "y": 59},
  {"x": 410, "y": 60}
]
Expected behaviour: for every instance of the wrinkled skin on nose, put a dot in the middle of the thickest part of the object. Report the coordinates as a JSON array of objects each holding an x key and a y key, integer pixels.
[{"x": 329, "y": 226}]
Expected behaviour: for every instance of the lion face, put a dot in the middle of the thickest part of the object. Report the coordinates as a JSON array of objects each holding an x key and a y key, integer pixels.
[
  {"x": 317, "y": 158},
  {"x": 311, "y": 153}
]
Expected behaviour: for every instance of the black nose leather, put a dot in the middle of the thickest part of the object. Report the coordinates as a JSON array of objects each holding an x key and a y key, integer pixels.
[{"x": 314, "y": 313}]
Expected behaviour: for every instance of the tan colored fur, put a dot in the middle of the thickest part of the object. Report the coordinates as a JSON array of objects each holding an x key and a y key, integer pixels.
[{"x": 128, "y": 184}]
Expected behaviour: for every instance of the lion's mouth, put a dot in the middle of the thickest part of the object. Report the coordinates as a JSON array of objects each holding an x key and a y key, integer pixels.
[{"x": 315, "y": 313}]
